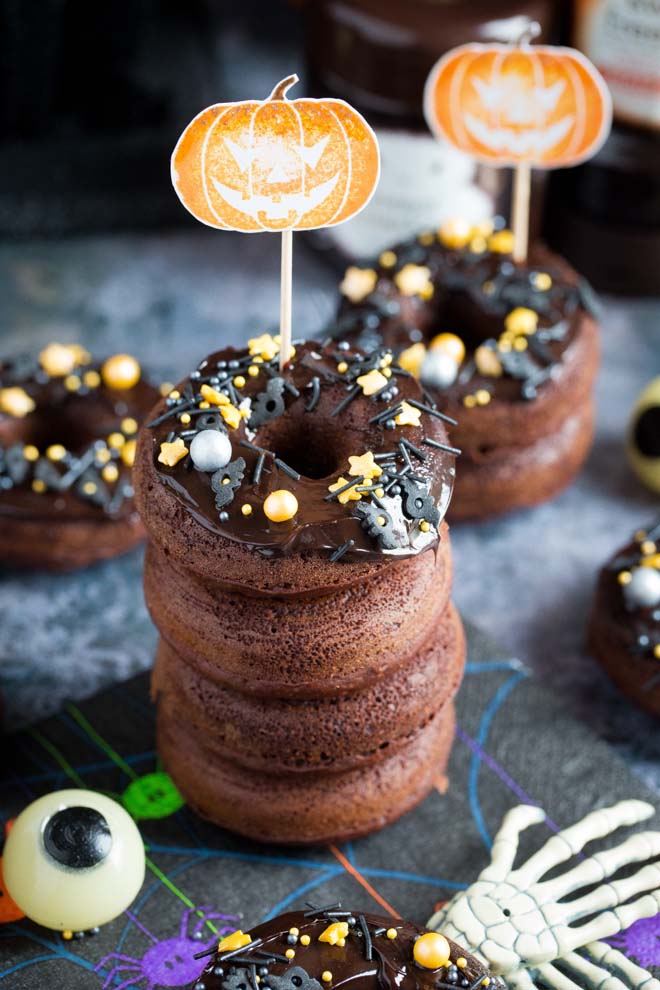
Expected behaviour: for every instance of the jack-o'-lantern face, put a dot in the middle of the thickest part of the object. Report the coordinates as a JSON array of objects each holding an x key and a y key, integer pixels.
[
  {"x": 276, "y": 165},
  {"x": 548, "y": 107}
]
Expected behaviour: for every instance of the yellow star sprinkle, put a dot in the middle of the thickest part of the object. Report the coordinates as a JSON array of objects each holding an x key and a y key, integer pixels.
[
  {"x": 455, "y": 232},
  {"x": 414, "y": 280},
  {"x": 411, "y": 359},
  {"x": 364, "y": 466},
  {"x": 334, "y": 933},
  {"x": 234, "y": 941},
  {"x": 350, "y": 495},
  {"x": 231, "y": 415},
  {"x": 372, "y": 382},
  {"x": 358, "y": 283},
  {"x": 409, "y": 416},
  {"x": 265, "y": 346},
  {"x": 15, "y": 402},
  {"x": 172, "y": 453},
  {"x": 213, "y": 396}
]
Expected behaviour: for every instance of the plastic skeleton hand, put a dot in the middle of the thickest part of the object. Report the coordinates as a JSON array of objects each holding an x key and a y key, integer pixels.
[{"x": 524, "y": 929}]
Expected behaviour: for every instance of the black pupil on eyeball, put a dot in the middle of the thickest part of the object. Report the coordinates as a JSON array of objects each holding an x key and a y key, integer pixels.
[
  {"x": 647, "y": 432},
  {"x": 77, "y": 838}
]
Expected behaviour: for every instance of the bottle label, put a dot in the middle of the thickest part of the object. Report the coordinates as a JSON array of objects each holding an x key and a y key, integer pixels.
[
  {"x": 622, "y": 37},
  {"x": 423, "y": 182}
]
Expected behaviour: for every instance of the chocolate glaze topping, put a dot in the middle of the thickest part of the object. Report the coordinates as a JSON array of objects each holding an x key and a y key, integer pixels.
[
  {"x": 296, "y": 432},
  {"x": 78, "y": 418},
  {"x": 377, "y": 955},
  {"x": 637, "y": 626},
  {"x": 470, "y": 293}
]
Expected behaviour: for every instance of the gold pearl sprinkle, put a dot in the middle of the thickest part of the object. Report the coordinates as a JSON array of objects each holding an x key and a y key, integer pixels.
[
  {"x": 174, "y": 394},
  {"x": 89, "y": 488},
  {"x": 326, "y": 976},
  {"x": 542, "y": 281},
  {"x": 486, "y": 981},
  {"x": 342, "y": 367},
  {"x": 520, "y": 344},
  {"x": 294, "y": 931},
  {"x": 38, "y": 486},
  {"x": 129, "y": 425},
  {"x": 67, "y": 935},
  {"x": 246, "y": 509},
  {"x": 184, "y": 418},
  {"x": 30, "y": 452},
  {"x": 387, "y": 259},
  {"x": 253, "y": 371},
  {"x": 482, "y": 397},
  {"x": 110, "y": 472},
  {"x": 116, "y": 441},
  {"x": 640, "y": 535},
  {"x": 624, "y": 577},
  {"x": 166, "y": 388},
  {"x": 56, "y": 452},
  {"x": 103, "y": 455},
  {"x": 204, "y": 405},
  {"x": 305, "y": 939},
  {"x": 290, "y": 954},
  {"x": 424, "y": 526},
  {"x": 72, "y": 383},
  {"x": 461, "y": 962},
  {"x": 648, "y": 547},
  {"x": 239, "y": 381},
  {"x": 426, "y": 238},
  {"x": 128, "y": 453},
  {"x": 469, "y": 402},
  {"x": 488, "y": 288},
  {"x": 381, "y": 520},
  {"x": 391, "y": 933},
  {"x": 91, "y": 379},
  {"x": 656, "y": 651},
  {"x": 379, "y": 493}
]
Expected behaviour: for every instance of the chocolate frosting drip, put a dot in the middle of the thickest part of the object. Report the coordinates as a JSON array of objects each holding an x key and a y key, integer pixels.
[
  {"x": 296, "y": 432},
  {"x": 472, "y": 295},
  {"x": 80, "y": 420},
  {"x": 638, "y": 627},
  {"x": 369, "y": 960}
]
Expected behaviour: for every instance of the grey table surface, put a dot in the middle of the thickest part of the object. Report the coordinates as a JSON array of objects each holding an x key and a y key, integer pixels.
[{"x": 526, "y": 580}]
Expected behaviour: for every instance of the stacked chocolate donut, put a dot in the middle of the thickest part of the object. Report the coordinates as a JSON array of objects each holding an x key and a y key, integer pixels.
[
  {"x": 299, "y": 573},
  {"x": 509, "y": 350}
]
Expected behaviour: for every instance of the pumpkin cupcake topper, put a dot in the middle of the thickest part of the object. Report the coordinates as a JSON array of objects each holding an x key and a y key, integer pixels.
[
  {"x": 276, "y": 165},
  {"x": 526, "y": 106}
]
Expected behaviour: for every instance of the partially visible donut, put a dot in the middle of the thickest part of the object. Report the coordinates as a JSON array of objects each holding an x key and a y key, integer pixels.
[
  {"x": 508, "y": 350},
  {"x": 67, "y": 444},
  {"x": 624, "y": 627}
]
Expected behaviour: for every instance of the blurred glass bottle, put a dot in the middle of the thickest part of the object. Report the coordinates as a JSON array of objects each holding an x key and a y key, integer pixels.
[
  {"x": 376, "y": 54},
  {"x": 605, "y": 215}
]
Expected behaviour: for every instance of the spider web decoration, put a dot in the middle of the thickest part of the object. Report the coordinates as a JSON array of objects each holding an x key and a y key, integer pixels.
[{"x": 514, "y": 745}]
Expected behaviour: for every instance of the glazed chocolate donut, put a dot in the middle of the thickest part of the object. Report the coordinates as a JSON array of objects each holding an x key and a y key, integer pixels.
[
  {"x": 330, "y": 947},
  {"x": 509, "y": 350},
  {"x": 624, "y": 627},
  {"x": 68, "y": 430},
  {"x": 299, "y": 573}
]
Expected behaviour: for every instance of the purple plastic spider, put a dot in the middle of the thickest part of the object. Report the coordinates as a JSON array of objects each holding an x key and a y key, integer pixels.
[
  {"x": 170, "y": 963},
  {"x": 641, "y": 941}
]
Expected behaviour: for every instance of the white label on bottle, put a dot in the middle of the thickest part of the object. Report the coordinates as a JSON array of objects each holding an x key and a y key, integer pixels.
[
  {"x": 423, "y": 182},
  {"x": 622, "y": 37}
]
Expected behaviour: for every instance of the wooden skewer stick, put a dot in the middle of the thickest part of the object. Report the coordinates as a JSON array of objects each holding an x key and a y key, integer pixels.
[
  {"x": 521, "y": 193},
  {"x": 285, "y": 297}
]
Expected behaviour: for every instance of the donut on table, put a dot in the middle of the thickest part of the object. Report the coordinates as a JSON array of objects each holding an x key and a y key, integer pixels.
[
  {"x": 309, "y": 649},
  {"x": 510, "y": 351},
  {"x": 330, "y": 947},
  {"x": 67, "y": 443},
  {"x": 624, "y": 627}
]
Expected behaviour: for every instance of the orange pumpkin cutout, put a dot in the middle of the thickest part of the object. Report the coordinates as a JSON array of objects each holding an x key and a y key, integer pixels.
[
  {"x": 9, "y": 910},
  {"x": 277, "y": 164},
  {"x": 544, "y": 106}
]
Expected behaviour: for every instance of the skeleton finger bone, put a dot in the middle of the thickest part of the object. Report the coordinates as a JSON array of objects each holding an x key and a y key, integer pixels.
[
  {"x": 609, "y": 923},
  {"x": 636, "y": 849},
  {"x": 636, "y": 978},
  {"x": 520, "y": 980},
  {"x": 609, "y": 895},
  {"x": 571, "y": 841},
  {"x": 553, "y": 977},
  {"x": 592, "y": 977},
  {"x": 505, "y": 845}
]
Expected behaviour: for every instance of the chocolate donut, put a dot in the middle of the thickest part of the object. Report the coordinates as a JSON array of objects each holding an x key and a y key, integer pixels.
[
  {"x": 330, "y": 947},
  {"x": 624, "y": 626},
  {"x": 509, "y": 350},
  {"x": 68, "y": 428},
  {"x": 299, "y": 573}
]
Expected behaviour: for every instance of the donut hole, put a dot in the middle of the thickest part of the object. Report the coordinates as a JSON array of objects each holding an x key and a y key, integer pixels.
[
  {"x": 44, "y": 428},
  {"x": 314, "y": 448}
]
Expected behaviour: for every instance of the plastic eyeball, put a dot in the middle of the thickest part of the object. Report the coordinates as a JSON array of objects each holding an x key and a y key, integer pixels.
[
  {"x": 439, "y": 369},
  {"x": 643, "y": 589},
  {"x": 73, "y": 860},
  {"x": 210, "y": 450},
  {"x": 644, "y": 437}
]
